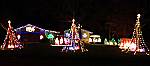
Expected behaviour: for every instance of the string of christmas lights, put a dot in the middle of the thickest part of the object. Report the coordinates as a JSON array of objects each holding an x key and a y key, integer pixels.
[
  {"x": 11, "y": 41},
  {"x": 138, "y": 39}
]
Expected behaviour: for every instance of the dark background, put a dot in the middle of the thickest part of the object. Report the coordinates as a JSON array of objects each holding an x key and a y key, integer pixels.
[{"x": 94, "y": 15}]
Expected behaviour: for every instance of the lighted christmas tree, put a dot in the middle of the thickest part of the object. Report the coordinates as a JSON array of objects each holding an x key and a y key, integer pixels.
[
  {"x": 114, "y": 41},
  {"x": 106, "y": 42},
  {"x": 11, "y": 40},
  {"x": 73, "y": 37},
  {"x": 137, "y": 41}
]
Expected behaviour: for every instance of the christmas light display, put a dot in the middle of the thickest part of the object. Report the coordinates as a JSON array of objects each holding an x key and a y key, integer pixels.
[
  {"x": 56, "y": 41},
  {"x": 18, "y": 36},
  {"x": 106, "y": 42},
  {"x": 74, "y": 37},
  {"x": 61, "y": 40},
  {"x": 41, "y": 37},
  {"x": 30, "y": 29},
  {"x": 11, "y": 40},
  {"x": 95, "y": 39},
  {"x": 30, "y": 34},
  {"x": 114, "y": 41},
  {"x": 99, "y": 40},
  {"x": 50, "y": 36},
  {"x": 124, "y": 43},
  {"x": 119, "y": 41},
  {"x": 138, "y": 39},
  {"x": 90, "y": 40},
  {"x": 84, "y": 35},
  {"x": 110, "y": 42}
]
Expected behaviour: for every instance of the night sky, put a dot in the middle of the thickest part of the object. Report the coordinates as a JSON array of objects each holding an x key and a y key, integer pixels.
[{"x": 94, "y": 15}]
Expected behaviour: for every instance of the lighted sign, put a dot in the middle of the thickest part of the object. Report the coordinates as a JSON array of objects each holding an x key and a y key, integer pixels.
[
  {"x": 30, "y": 29},
  {"x": 56, "y": 41}
]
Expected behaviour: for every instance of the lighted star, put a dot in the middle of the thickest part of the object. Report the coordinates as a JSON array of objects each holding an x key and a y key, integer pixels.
[
  {"x": 138, "y": 16},
  {"x": 9, "y": 21},
  {"x": 73, "y": 20}
]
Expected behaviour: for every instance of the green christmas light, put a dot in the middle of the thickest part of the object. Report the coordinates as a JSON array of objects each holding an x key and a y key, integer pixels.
[
  {"x": 113, "y": 40},
  {"x": 50, "y": 36}
]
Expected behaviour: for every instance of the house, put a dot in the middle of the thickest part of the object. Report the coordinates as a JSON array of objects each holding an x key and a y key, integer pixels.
[{"x": 32, "y": 34}]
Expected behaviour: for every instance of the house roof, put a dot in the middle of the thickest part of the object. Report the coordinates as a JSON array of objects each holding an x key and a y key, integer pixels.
[
  {"x": 83, "y": 30},
  {"x": 27, "y": 26},
  {"x": 95, "y": 36},
  {"x": 87, "y": 31},
  {"x": 52, "y": 31},
  {"x": 36, "y": 27}
]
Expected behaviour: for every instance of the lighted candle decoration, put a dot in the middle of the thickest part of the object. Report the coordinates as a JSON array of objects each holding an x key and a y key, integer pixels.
[
  {"x": 61, "y": 40},
  {"x": 56, "y": 41}
]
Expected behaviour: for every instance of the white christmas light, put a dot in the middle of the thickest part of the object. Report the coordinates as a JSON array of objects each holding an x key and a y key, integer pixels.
[
  {"x": 56, "y": 41},
  {"x": 99, "y": 40},
  {"x": 41, "y": 37},
  {"x": 90, "y": 39},
  {"x": 61, "y": 40},
  {"x": 84, "y": 35},
  {"x": 18, "y": 36}
]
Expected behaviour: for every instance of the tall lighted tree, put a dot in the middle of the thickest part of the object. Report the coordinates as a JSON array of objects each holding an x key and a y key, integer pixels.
[
  {"x": 11, "y": 40},
  {"x": 137, "y": 41}
]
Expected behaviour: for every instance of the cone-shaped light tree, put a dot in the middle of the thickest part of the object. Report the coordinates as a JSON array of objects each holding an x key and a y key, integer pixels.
[
  {"x": 11, "y": 40},
  {"x": 137, "y": 41}
]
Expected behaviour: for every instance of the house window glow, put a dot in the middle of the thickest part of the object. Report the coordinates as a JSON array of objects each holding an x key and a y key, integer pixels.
[{"x": 56, "y": 41}]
